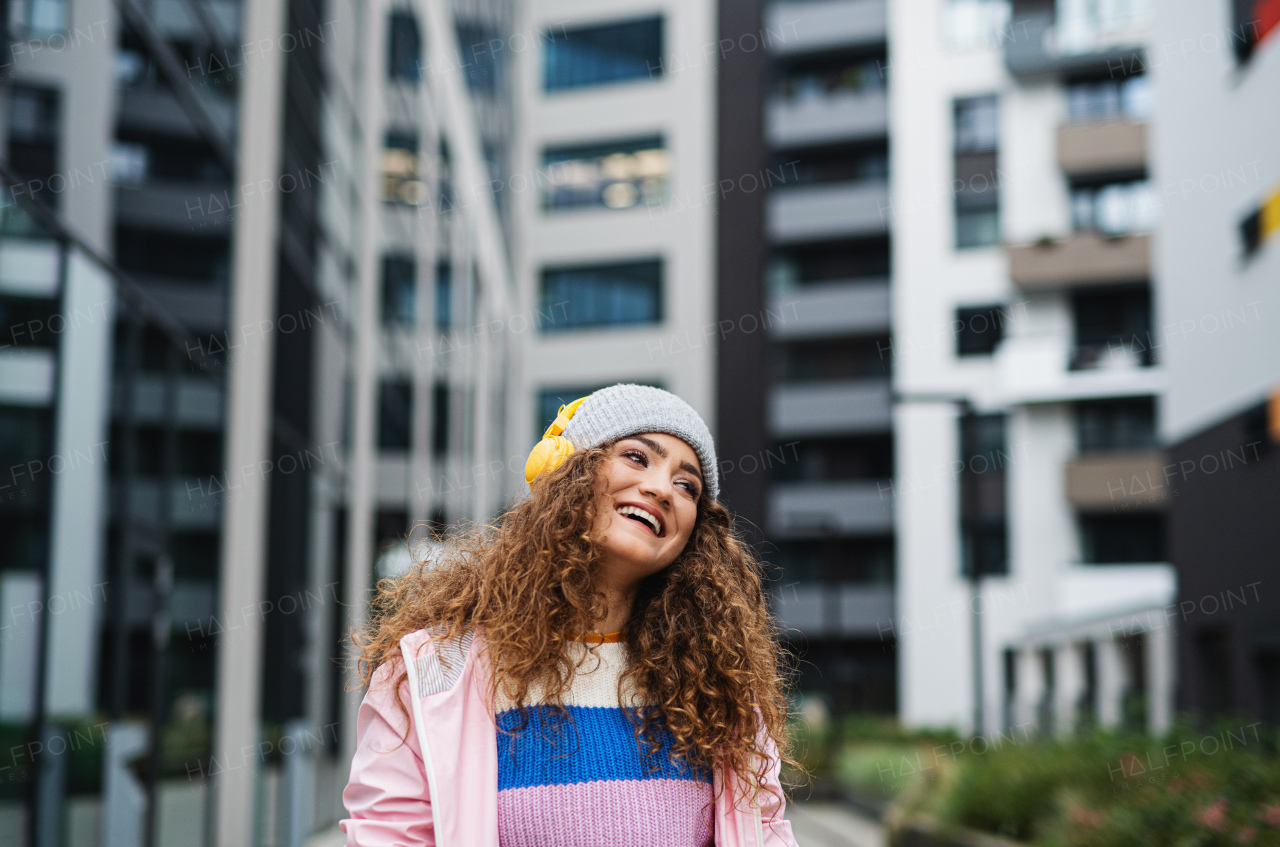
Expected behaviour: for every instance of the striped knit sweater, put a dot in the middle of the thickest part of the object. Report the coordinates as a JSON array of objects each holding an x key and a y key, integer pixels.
[{"x": 586, "y": 785}]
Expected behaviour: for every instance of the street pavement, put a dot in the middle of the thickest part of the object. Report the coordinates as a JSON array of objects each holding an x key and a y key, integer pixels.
[{"x": 818, "y": 824}]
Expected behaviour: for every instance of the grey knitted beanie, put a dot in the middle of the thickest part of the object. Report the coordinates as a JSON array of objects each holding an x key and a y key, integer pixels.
[{"x": 627, "y": 409}]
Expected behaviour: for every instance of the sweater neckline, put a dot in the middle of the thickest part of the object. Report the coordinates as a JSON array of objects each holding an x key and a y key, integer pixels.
[{"x": 600, "y": 637}]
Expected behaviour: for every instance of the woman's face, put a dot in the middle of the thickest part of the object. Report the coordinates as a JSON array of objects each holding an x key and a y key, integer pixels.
[{"x": 653, "y": 482}]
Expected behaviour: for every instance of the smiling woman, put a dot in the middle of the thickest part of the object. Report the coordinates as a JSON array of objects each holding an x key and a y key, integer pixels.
[{"x": 599, "y": 668}]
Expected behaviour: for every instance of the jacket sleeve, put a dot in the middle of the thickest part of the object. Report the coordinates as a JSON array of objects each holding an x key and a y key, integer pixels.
[
  {"x": 386, "y": 794},
  {"x": 773, "y": 805}
]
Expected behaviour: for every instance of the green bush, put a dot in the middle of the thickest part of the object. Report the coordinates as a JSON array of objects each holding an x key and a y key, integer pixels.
[{"x": 1101, "y": 789}]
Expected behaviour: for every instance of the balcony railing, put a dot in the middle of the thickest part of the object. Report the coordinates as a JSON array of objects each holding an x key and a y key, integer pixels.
[
  {"x": 1082, "y": 259},
  {"x": 1129, "y": 480},
  {"x": 835, "y": 117},
  {"x": 835, "y": 407},
  {"x": 1116, "y": 146},
  {"x": 1036, "y": 47},
  {"x": 815, "y": 25},
  {"x": 817, "y": 609},
  {"x": 809, "y": 509},
  {"x": 827, "y": 210},
  {"x": 831, "y": 308}
]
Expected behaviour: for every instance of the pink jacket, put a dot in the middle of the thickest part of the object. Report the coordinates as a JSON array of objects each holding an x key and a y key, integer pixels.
[{"x": 440, "y": 788}]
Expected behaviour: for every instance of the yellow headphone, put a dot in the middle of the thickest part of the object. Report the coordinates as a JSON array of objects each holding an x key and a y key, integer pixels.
[{"x": 549, "y": 453}]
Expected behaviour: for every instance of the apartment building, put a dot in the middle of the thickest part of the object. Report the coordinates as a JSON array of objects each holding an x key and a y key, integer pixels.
[
  {"x": 1218, "y": 284},
  {"x": 806, "y": 355},
  {"x": 238, "y": 356},
  {"x": 614, "y": 220},
  {"x": 1031, "y": 569}
]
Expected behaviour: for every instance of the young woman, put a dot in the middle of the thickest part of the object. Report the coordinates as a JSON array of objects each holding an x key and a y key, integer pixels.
[{"x": 599, "y": 670}]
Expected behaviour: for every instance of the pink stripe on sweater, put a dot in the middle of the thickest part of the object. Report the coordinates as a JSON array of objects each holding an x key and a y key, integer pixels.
[{"x": 616, "y": 813}]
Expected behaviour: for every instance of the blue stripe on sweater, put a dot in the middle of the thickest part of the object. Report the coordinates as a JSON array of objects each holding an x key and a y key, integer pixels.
[{"x": 597, "y": 744}]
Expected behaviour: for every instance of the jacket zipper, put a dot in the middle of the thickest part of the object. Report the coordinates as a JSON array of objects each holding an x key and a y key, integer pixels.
[{"x": 411, "y": 669}]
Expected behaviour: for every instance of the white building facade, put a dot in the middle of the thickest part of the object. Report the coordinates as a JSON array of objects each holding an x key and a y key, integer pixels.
[
  {"x": 613, "y": 195},
  {"x": 1028, "y": 390}
]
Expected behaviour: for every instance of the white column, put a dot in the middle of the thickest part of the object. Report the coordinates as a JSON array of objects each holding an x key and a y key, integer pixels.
[
  {"x": 1111, "y": 681},
  {"x": 1030, "y": 688},
  {"x": 360, "y": 491},
  {"x": 248, "y": 426},
  {"x": 1068, "y": 662},
  {"x": 1161, "y": 677},
  {"x": 77, "y": 592}
]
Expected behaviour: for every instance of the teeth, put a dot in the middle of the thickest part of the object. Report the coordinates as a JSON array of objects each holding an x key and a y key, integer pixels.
[{"x": 632, "y": 510}]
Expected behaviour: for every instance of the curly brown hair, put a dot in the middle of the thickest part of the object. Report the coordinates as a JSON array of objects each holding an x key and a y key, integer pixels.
[{"x": 702, "y": 647}]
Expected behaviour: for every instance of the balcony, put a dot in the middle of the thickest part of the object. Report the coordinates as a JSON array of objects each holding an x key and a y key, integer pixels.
[
  {"x": 1090, "y": 149},
  {"x": 1085, "y": 592},
  {"x": 827, "y": 211},
  {"x": 831, "y": 308},
  {"x": 194, "y": 503},
  {"x": 1128, "y": 480},
  {"x": 818, "y": 610},
  {"x": 808, "y": 509},
  {"x": 1036, "y": 49},
  {"x": 836, "y": 117},
  {"x": 1037, "y": 369},
  {"x": 1085, "y": 258},
  {"x": 183, "y": 207},
  {"x": 156, "y": 110},
  {"x": 199, "y": 401},
  {"x": 26, "y": 375},
  {"x": 200, "y": 307},
  {"x": 29, "y": 267},
  {"x": 814, "y": 25},
  {"x": 845, "y": 407}
]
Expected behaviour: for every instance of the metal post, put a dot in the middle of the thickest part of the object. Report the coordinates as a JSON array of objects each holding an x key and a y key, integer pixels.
[
  {"x": 162, "y": 589},
  {"x": 975, "y": 609}
]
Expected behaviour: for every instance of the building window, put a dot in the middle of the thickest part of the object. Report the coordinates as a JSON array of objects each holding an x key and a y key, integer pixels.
[
  {"x": 832, "y": 359},
  {"x": 620, "y": 175},
  {"x": 1261, "y": 224},
  {"x": 481, "y": 63},
  {"x": 599, "y": 55},
  {"x": 978, "y": 330},
  {"x": 439, "y": 419},
  {"x": 444, "y": 296},
  {"x": 404, "y": 47},
  {"x": 395, "y": 412},
  {"x": 1112, "y": 328},
  {"x": 863, "y": 163},
  {"x": 831, "y": 459},
  {"x": 28, "y": 322},
  {"x": 620, "y": 294},
  {"x": 826, "y": 77},
  {"x": 399, "y": 290},
  {"x": 32, "y": 154},
  {"x": 977, "y": 195},
  {"x": 1123, "y": 424},
  {"x": 400, "y": 183},
  {"x": 840, "y": 261},
  {"x": 1110, "y": 99},
  {"x": 835, "y": 560},
  {"x": 1121, "y": 539},
  {"x": 35, "y": 17},
  {"x": 1117, "y": 208},
  {"x": 984, "y": 535}
]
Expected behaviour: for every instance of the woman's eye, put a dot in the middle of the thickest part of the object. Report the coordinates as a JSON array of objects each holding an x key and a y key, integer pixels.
[{"x": 636, "y": 455}]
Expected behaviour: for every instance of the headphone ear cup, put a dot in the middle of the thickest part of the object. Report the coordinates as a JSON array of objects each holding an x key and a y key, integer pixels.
[{"x": 547, "y": 455}]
